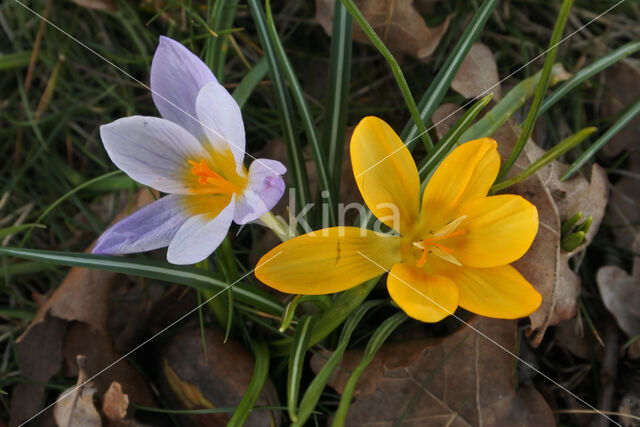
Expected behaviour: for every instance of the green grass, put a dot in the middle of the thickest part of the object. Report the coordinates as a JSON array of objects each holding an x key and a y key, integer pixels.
[{"x": 298, "y": 89}]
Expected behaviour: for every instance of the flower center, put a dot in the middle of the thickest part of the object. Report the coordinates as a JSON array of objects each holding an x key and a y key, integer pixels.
[
  {"x": 432, "y": 244},
  {"x": 210, "y": 182}
]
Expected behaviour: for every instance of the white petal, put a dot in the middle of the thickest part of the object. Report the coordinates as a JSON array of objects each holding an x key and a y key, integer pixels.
[
  {"x": 152, "y": 151},
  {"x": 199, "y": 236},
  {"x": 264, "y": 189},
  {"x": 177, "y": 75},
  {"x": 221, "y": 120},
  {"x": 151, "y": 227}
]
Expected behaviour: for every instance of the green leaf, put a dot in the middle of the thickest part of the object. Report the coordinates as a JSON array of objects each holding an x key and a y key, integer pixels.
[
  {"x": 335, "y": 117},
  {"x": 296, "y": 363},
  {"x": 527, "y": 128},
  {"x": 375, "y": 342},
  {"x": 551, "y": 155},
  {"x": 319, "y": 158},
  {"x": 189, "y": 276},
  {"x": 250, "y": 81},
  {"x": 222, "y": 14},
  {"x": 17, "y": 228},
  {"x": 451, "y": 139},
  {"x": 297, "y": 169},
  {"x": 626, "y": 117},
  {"x": 259, "y": 378},
  {"x": 588, "y": 72},
  {"x": 9, "y": 61},
  {"x": 509, "y": 104},
  {"x": 395, "y": 69},
  {"x": 440, "y": 84},
  {"x": 314, "y": 390},
  {"x": 328, "y": 321}
]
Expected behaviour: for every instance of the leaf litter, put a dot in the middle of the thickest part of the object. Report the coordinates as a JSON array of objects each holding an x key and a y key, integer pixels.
[{"x": 459, "y": 380}]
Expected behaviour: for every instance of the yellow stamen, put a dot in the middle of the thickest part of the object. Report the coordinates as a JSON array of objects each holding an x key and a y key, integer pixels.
[
  {"x": 211, "y": 182},
  {"x": 430, "y": 245}
]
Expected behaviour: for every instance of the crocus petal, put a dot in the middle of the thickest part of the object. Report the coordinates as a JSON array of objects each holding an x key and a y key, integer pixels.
[
  {"x": 425, "y": 297},
  {"x": 264, "y": 189},
  {"x": 177, "y": 75},
  {"x": 385, "y": 173},
  {"x": 221, "y": 121},
  {"x": 151, "y": 227},
  {"x": 467, "y": 173},
  {"x": 499, "y": 292},
  {"x": 498, "y": 230},
  {"x": 200, "y": 235},
  {"x": 152, "y": 151},
  {"x": 327, "y": 261}
]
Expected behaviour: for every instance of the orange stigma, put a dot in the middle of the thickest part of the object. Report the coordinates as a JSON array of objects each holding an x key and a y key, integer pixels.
[
  {"x": 429, "y": 244},
  {"x": 210, "y": 181}
]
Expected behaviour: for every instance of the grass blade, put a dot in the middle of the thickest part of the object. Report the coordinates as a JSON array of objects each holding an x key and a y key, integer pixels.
[
  {"x": 260, "y": 375},
  {"x": 557, "y": 151},
  {"x": 319, "y": 158},
  {"x": 588, "y": 72},
  {"x": 395, "y": 69},
  {"x": 335, "y": 119},
  {"x": 189, "y": 276},
  {"x": 297, "y": 167},
  {"x": 223, "y": 12},
  {"x": 436, "y": 91},
  {"x": 377, "y": 339},
  {"x": 450, "y": 140},
  {"x": 313, "y": 392},
  {"x": 296, "y": 364},
  {"x": 627, "y": 116},
  {"x": 329, "y": 320},
  {"x": 510, "y": 103},
  {"x": 250, "y": 81},
  {"x": 527, "y": 128}
]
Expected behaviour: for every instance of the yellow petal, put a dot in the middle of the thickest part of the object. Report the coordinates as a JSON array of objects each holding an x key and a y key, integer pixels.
[
  {"x": 467, "y": 173},
  {"x": 425, "y": 297},
  {"x": 499, "y": 292},
  {"x": 385, "y": 173},
  {"x": 327, "y": 261},
  {"x": 498, "y": 230}
]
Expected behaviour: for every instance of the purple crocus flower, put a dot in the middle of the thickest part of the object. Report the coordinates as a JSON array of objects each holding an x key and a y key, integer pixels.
[{"x": 195, "y": 153}]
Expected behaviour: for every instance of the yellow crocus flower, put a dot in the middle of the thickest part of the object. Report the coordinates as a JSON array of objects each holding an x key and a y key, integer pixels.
[{"x": 451, "y": 250}]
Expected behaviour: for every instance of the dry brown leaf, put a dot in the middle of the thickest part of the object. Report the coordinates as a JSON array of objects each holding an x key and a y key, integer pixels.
[
  {"x": 396, "y": 22},
  {"x": 445, "y": 116},
  {"x": 74, "y": 321},
  {"x": 461, "y": 380},
  {"x": 75, "y": 405},
  {"x": 621, "y": 293},
  {"x": 107, "y": 5},
  {"x": 115, "y": 402},
  {"x": 217, "y": 378},
  {"x": 477, "y": 73},
  {"x": 545, "y": 265},
  {"x": 621, "y": 88}
]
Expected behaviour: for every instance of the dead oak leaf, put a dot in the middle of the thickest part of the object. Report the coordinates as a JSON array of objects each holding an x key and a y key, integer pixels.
[
  {"x": 478, "y": 74},
  {"x": 545, "y": 265},
  {"x": 396, "y": 22},
  {"x": 621, "y": 293},
  {"x": 461, "y": 380},
  {"x": 74, "y": 406},
  {"x": 72, "y": 321}
]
